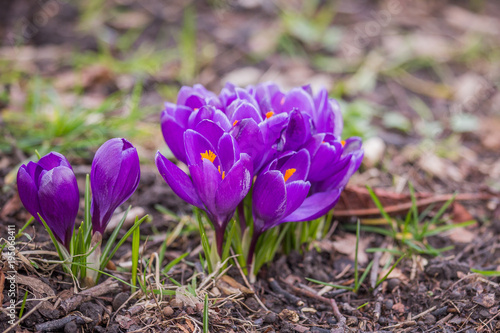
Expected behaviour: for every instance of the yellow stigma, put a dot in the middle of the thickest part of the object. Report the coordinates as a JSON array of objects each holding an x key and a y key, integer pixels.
[
  {"x": 289, "y": 173},
  {"x": 209, "y": 155},
  {"x": 223, "y": 172},
  {"x": 269, "y": 114},
  {"x": 235, "y": 122},
  {"x": 342, "y": 143}
]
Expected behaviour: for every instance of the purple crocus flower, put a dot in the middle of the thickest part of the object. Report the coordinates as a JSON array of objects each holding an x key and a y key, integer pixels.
[
  {"x": 278, "y": 191},
  {"x": 114, "y": 177},
  {"x": 49, "y": 188},
  {"x": 194, "y": 104},
  {"x": 344, "y": 158},
  {"x": 324, "y": 112},
  {"x": 176, "y": 119},
  {"x": 221, "y": 175}
]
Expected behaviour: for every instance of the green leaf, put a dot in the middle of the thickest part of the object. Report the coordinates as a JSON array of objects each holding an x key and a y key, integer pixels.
[
  {"x": 447, "y": 227},
  {"x": 379, "y": 206},
  {"x": 486, "y": 273},
  {"x": 365, "y": 273},
  {"x": 136, "y": 237},
  {"x": 87, "y": 220},
  {"x": 330, "y": 285},
  {"x": 122, "y": 240},
  {"x": 174, "y": 262},
  {"x": 380, "y": 249},
  {"x": 356, "y": 281},
  {"x": 112, "y": 238},
  {"x": 389, "y": 272},
  {"x": 23, "y": 305},
  {"x": 205, "y": 314}
]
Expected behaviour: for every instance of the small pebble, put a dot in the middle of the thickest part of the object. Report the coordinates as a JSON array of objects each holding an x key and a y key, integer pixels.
[
  {"x": 270, "y": 318},
  {"x": 429, "y": 319},
  {"x": 168, "y": 311},
  {"x": 389, "y": 304},
  {"x": 382, "y": 320},
  {"x": 70, "y": 327},
  {"x": 392, "y": 284},
  {"x": 189, "y": 310},
  {"x": 119, "y": 300}
]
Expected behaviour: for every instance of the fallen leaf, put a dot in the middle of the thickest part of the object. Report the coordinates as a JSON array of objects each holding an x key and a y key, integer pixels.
[
  {"x": 489, "y": 132},
  {"x": 440, "y": 168},
  {"x": 347, "y": 245},
  {"x": 230, "y": 286},
  {"x": 39, "y": 288},
  {"x": 461, "y": 235},
  {"x": 486, "y": 300},
  {"x": 395, "y": 274},
  {"x": 11, "y": 206}
]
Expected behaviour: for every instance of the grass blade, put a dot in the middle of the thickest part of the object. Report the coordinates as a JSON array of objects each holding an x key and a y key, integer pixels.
[
  {"x": 356, "y": 281},
  {"x": 136, "y": 237},
  {"x": 23, "y": 305},
  {"x": 114, "y": 234},
  {"x": 205, "y": 314},
  {"x": 486, "y": 273},
  {"x": 174, "y": 262},
  {"x": 122, "y": 240},
  {"x": 390, "y": 271},
  {"x": 447, "y": 227},
  {"x": 337, "y": 286}
]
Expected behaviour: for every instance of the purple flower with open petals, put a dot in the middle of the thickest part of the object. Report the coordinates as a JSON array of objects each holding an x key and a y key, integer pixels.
[
  {"x": 49, "y": 188},
  {"x": 343, "y": 159},
  {"x": 221, "y": 175},
  {"x": 114, "y": 177},
  {"x": 278, "y": 191}
]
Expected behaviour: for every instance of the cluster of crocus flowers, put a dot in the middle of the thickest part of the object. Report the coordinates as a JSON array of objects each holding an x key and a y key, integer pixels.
[
  {"x": 48, "y": 188},
  {"x": 285, "y": 148}
]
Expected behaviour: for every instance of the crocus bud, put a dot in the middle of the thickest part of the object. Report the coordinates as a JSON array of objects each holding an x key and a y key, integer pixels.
[
  {"x": 49, "y": 188},
  {"x": 114, "y": 177}
]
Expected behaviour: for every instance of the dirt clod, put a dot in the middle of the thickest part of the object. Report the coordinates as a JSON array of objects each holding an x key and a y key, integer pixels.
[
  {"x": 70, "y": 327},
  {"x": 168, "y": 311},
  {"x": 119, "y": 300},
  {"x": 429, "y": 319},
  {"x": 270, "y": 318}
]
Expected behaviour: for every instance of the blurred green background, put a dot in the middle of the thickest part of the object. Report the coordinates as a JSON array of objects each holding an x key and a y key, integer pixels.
[{"x": 417, "y": 80}]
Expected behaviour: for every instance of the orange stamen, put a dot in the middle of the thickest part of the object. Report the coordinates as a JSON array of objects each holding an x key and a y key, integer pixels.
[
  {"x": 269, "y": 114},
  {"x": 289, "y": 173},
  {"x": 223, "y": 172},
  {"x": 235, "y": 122},
  {"x": 209, "y": 155},
  {"x": 195, "y": 109},
  {"x": 342, "y": 143}
]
